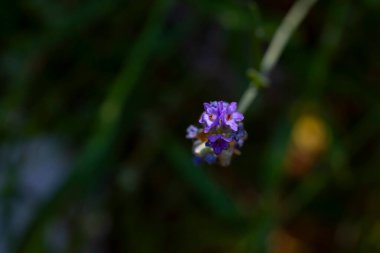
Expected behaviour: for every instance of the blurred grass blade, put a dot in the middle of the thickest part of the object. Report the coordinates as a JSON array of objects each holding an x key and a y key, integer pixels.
[
  {"x": 291, "y": 21},
  {"x": 276, "y": 46},
  {"x": 89, "y": 165},
  {"x": 257, "y": 79},
  {"x": 32, "y": 48}
]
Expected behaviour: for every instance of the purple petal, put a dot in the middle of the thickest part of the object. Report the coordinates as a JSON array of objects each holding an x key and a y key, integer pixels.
[
  {"x": 207, "y": 129},
  {"x": 205, "y": 119},
  {"x": 211, "y": 107},
  {"x": 237, "y": 116},
  {"x": 225, "y": 145},
  {"x": 214, "y": 137},
  {"x": 210, "y": 158},
  {"x": 232, "y": 107},
  {"x": 206, "y": 106},
  {"x": 227, "y": 139},
  {"x": 217, "y": 150},
  {"x": 201, "y": 119},
  {"x": 218, "y": 146},
  {"x": 192, "y": 132},
  {"x": 221, "y": 145},
  {"x": 232, "y": 124},
  {"x": 222, "y": 106}
]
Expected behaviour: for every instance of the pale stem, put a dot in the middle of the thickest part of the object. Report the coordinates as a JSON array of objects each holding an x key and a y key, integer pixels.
[{"x": 281, "y": 37}]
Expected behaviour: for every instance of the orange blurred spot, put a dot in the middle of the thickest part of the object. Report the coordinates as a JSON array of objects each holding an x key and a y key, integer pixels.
[
  {"x": 308, "y": 140},
  {"x": 281, "y": 242},
  {"x": 309, "y": 134}
]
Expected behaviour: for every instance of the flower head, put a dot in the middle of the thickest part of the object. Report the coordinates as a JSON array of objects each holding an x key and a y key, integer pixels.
[{"x": 222, "y": 133}]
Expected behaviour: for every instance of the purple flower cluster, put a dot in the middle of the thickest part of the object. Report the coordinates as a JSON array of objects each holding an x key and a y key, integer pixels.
[{"x": 222, "y": 134}]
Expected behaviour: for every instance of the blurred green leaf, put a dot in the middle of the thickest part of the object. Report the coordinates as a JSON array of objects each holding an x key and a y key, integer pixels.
[{"x": 90, "y": 163}]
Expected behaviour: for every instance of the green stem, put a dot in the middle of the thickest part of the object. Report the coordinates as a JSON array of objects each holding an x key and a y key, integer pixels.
[{"x": 291, "y": 21}]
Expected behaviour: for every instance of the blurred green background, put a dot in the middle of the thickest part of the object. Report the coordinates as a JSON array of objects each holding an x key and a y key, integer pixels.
[{"x": 96, "y": 96}]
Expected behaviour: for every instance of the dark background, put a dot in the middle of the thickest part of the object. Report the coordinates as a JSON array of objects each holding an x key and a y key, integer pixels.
[{"x": 96, "y": 96}]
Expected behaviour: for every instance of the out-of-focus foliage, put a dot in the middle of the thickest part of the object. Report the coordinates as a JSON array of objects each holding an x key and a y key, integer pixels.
[{"x": 96, "y": 96}]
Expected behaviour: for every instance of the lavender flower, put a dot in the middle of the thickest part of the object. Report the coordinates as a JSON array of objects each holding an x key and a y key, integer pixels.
[
  {"x": 210, "y": 117},
  {"x": 222, "y": 135},
  {"x": 231, "y": 117}
]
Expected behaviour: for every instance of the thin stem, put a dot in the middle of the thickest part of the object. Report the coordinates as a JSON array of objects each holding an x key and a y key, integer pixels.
[{"x": 291, "y": 21}]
